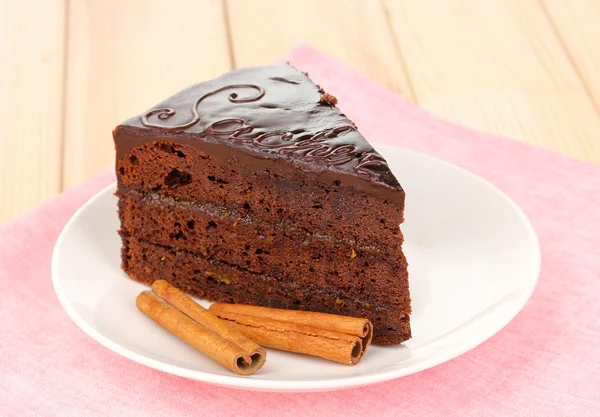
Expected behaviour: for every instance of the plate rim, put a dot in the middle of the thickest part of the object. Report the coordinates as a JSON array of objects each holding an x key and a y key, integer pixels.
[{"x": 248, "y": 383}]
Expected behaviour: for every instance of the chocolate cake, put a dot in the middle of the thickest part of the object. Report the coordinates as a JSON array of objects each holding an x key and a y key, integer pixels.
[{"x": 254, "y": 188}]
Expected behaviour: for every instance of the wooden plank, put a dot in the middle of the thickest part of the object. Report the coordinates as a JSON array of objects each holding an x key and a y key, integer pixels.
[
  {"x": 354, "y": 32},
  {"x": 123, "y": 58},
  {"x": 31, "y": 81},
  {"x": 578, "y": 25},
  {"x": 496, "y": 66}
]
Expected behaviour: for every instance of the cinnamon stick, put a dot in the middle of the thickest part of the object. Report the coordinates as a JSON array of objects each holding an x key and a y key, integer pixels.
[
  {"x": 337, "y": 338},
  {"x": 189, "y": 321},
  {"x": 206, "y": 319}
]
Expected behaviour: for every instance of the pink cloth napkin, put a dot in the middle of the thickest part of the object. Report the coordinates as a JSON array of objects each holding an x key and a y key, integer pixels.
[{"x": 545, "y": 362}]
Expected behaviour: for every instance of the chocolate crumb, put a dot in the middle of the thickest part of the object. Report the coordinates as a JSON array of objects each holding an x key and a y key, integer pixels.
[{"x": 328, "y": 99}]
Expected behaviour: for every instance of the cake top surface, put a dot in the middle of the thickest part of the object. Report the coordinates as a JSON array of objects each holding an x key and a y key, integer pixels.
[{"x": 273, "y": 111}]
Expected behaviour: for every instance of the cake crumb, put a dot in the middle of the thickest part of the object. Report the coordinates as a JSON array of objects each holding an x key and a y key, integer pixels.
[
  {"x": 353, "y": 254},
  {"x": 328, "y": 99},
  {"x": 220, "y": 277}
]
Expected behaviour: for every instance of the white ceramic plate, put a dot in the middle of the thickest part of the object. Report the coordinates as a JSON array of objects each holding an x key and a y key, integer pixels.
[{"x": 474, "y": 261}]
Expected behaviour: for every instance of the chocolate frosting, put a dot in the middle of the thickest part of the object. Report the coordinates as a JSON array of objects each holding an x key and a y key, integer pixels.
[{"x": 271, "y": 112}]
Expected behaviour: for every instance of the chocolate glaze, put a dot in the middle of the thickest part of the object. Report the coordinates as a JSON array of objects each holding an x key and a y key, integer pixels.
[{"x": 264, "y": 114}]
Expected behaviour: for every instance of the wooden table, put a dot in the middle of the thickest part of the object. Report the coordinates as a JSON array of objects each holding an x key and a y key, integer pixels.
[{"x": 72, "y": 70}]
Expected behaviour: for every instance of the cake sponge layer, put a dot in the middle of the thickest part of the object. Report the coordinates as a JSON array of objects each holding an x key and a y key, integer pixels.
[
  {"x": 146, "y": 262},
  {"x": 334, "y": 209},
  {"x": 282, "y": 252}
]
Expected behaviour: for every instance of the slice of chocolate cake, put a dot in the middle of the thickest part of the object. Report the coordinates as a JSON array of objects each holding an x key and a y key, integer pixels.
[{"x": 254, "y": 188}]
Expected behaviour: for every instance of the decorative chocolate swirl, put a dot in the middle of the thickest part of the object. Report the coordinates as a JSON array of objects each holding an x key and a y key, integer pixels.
[
  {"x": 369, "y": 160},
  {"x": 167, "y": 112},
  {"x": 316, "y": 146},
  {"x": 231, "y": 128}
]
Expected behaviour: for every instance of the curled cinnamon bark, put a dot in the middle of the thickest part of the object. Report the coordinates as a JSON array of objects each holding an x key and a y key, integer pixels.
[
  {"x": 189, "y": 321},
  {"x": 337, "y": 338}
]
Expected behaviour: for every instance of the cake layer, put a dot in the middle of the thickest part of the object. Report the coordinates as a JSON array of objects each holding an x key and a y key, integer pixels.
[
  {"x": 256, "y": 246},
  {"x": 265, "y": 116},
  {"x": 333, "y": 209},
  {"x": 146, "y": 262},
  {"x": 350, "y": 280}
]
